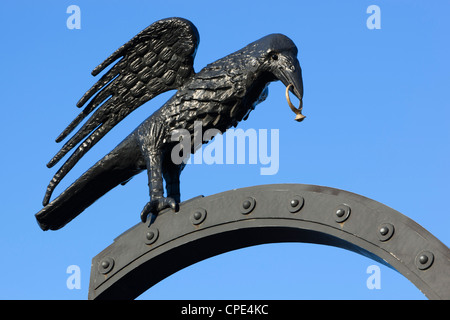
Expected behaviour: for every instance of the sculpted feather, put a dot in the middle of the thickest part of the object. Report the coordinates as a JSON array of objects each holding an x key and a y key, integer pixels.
[{"x": 158, "y": 59}]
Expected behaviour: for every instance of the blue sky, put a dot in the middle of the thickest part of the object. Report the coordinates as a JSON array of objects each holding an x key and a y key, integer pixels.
[{"x": 377, "y": 124}]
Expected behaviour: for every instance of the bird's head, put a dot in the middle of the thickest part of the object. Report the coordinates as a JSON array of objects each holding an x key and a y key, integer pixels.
[{"x": 278, "y": 58}]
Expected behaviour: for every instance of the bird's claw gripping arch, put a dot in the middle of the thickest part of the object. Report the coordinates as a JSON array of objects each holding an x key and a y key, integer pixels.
[{"x": 155, "y": 206}]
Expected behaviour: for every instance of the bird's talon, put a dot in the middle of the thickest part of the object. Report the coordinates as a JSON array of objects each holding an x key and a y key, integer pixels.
[{"x": 157, "y": 205}]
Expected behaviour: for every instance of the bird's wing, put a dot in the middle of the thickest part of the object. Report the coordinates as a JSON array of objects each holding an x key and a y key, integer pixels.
[{"x": 158, "y": 59}]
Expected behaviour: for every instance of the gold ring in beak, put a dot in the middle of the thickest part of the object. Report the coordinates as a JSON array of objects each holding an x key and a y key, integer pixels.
[{"x": 299, "y": 117}]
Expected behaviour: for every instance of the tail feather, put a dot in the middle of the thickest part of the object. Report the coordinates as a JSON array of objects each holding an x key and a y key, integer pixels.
[{"x": 118, "y": 166}]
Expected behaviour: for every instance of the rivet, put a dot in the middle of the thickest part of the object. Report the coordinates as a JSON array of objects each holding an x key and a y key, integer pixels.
[
  {"x": 106, "y": 265},
  {"x": 342, "y": 213},
  {"x": 248, "y": 205},
  {"x": 151, "y": 235},
  {"x": 385, "y": 231},
  {"x": 198, "y": 216},
  {"x": 296, "y": 203},
  {"x": 424, "y": 260}
]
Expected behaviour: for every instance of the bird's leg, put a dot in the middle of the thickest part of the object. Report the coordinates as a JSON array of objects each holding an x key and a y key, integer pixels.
[
  {"x": 155, "y": 183},
  {"x": 171, "y": 174}
]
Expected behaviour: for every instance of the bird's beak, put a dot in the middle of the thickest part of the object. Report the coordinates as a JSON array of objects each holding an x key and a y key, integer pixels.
[{"x": 291, "y": 77}]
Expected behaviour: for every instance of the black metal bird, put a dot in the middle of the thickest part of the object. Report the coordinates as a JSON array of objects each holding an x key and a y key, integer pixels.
[{"x": 158, "y": 59}]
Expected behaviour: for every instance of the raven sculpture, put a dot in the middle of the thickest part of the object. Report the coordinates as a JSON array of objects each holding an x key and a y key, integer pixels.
[{"x": 158, "y": 59}]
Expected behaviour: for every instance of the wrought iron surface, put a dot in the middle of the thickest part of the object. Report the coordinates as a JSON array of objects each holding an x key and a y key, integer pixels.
[
  {"x": 207, "y": 226},
  {"x": 158, "y": 59}
]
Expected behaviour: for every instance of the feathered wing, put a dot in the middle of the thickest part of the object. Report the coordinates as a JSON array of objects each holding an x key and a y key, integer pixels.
[{"x": 158, "y": 59}]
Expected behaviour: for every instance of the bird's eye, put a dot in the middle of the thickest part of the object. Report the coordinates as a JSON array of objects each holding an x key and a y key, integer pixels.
[{"x": 274, "y": 56}]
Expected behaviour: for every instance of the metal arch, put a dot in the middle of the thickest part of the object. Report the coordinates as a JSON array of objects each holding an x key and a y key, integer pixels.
[{"x": 207, "y": 226}]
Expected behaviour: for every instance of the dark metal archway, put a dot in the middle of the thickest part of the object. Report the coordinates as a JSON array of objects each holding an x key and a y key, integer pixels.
[{"x": 207, "y": 226}]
